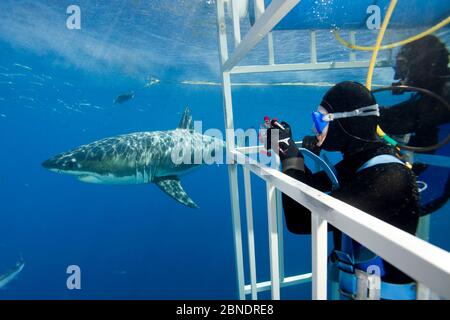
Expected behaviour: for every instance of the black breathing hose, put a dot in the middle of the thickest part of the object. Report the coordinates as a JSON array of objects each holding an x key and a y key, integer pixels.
[{"x": 405, "y": 88}]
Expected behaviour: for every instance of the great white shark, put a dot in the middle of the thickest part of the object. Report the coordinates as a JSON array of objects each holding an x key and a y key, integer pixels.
[
  {"x": 11, "y": 274},
  {"x": 141, "y": 158}
]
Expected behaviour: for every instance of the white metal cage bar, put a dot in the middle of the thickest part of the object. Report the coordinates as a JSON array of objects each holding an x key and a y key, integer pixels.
[
  {"x": 273, "y": 241},
  {"x": 319, "y": 251},
  {"x": 287, "y": 282},
  {"x": 266, "y": 22},
  {"x": 289, "y": 67},
  {"x": 250, "y": 233},
  {"x": 232, "y": 168}
]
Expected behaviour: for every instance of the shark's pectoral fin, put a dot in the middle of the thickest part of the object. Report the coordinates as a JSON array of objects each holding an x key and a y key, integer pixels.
[{"x": 172, "y": 186}]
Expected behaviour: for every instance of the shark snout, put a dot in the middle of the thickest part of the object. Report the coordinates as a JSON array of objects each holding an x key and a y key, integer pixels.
[
  {"x": 51, "y": 164},
  {"x": 48, "y": 164},
  {"x": 60, "y": 163}
]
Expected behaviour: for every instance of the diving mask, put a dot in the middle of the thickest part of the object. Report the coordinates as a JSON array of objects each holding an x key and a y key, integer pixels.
[{"x": 321, "y": 119}]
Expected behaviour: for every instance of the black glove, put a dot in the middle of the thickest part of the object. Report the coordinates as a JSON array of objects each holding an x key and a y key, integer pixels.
[
  {"x": 310, "y": 143},
  {"x": 285, "y": 147}
]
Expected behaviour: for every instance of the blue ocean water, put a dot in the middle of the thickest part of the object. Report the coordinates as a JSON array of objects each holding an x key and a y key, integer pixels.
[{"x": 132, "y": 242}]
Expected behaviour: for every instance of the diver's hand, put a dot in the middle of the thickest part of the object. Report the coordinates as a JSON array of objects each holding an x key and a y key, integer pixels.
[
  {"x": 283, "y": 143},
  {"x": 310, "y": 143}
]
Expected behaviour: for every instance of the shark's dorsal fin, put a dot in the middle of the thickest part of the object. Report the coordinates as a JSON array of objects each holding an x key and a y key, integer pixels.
[
  {"x": 186, "y": 120},
  {"x": 172, "y": 186}
]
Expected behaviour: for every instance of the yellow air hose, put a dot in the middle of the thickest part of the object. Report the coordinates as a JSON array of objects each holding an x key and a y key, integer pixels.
[
  {"x": 434, "y": 28},
  {"x": 373, "y": 60}
]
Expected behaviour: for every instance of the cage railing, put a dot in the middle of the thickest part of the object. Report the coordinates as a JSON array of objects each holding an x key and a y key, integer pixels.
[{"x": 421, "y": 260}]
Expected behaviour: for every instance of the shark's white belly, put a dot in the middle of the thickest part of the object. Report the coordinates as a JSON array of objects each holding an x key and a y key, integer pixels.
[
  {"x": 108, "y": 179},
  {"x": 140, "y": 177}
]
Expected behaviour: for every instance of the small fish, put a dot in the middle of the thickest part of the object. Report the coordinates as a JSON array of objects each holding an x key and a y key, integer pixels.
[
  {"x": 68, "y": 84},
  {"x": 72, "y": 109},
  {"x": 152, "y": 81},
  {"x": 2, "y": 115},
  {"x": 12, "y": 75},
  {"x": 124, "y": 97},
  {"x": 26, "y": 98},
  {"x": 38, "y": 77},
  {"x": 22, "y": 66},
  {"x": 36, "y": 83}
]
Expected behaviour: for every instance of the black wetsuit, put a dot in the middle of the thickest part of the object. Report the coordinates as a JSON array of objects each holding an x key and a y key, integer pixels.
[
  {"x": 386, "y": 191},
  {"x": 421, "y": 115}
]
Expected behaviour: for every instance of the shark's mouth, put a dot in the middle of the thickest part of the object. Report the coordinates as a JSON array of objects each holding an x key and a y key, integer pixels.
[
  {"x": 93, "y": 177},
  {"x": 82, "y": 176},
  {"x": 89, "y": 178}
]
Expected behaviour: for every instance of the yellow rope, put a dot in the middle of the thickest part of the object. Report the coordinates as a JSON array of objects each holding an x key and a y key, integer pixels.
[
  {"x": 373, "y": 60},
  {"x": 384, "y": 25},
  {"x": 395, "y": 44}
]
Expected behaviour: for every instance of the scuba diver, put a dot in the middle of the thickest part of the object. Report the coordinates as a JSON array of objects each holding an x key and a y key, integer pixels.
[
  {"x": 371, "y": 178},
  {"x": 422, "y": 64}
]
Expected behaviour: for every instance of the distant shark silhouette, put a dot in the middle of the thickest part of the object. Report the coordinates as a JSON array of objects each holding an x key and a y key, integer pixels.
[
  {"x": 124, "y": 97},
  {"x": 139, "y": 158},
  {"x": 11, "y": 274}
]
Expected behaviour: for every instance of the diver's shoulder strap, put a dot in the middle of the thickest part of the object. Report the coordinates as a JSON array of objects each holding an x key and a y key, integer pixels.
[{"x": 381, "y": 159}]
